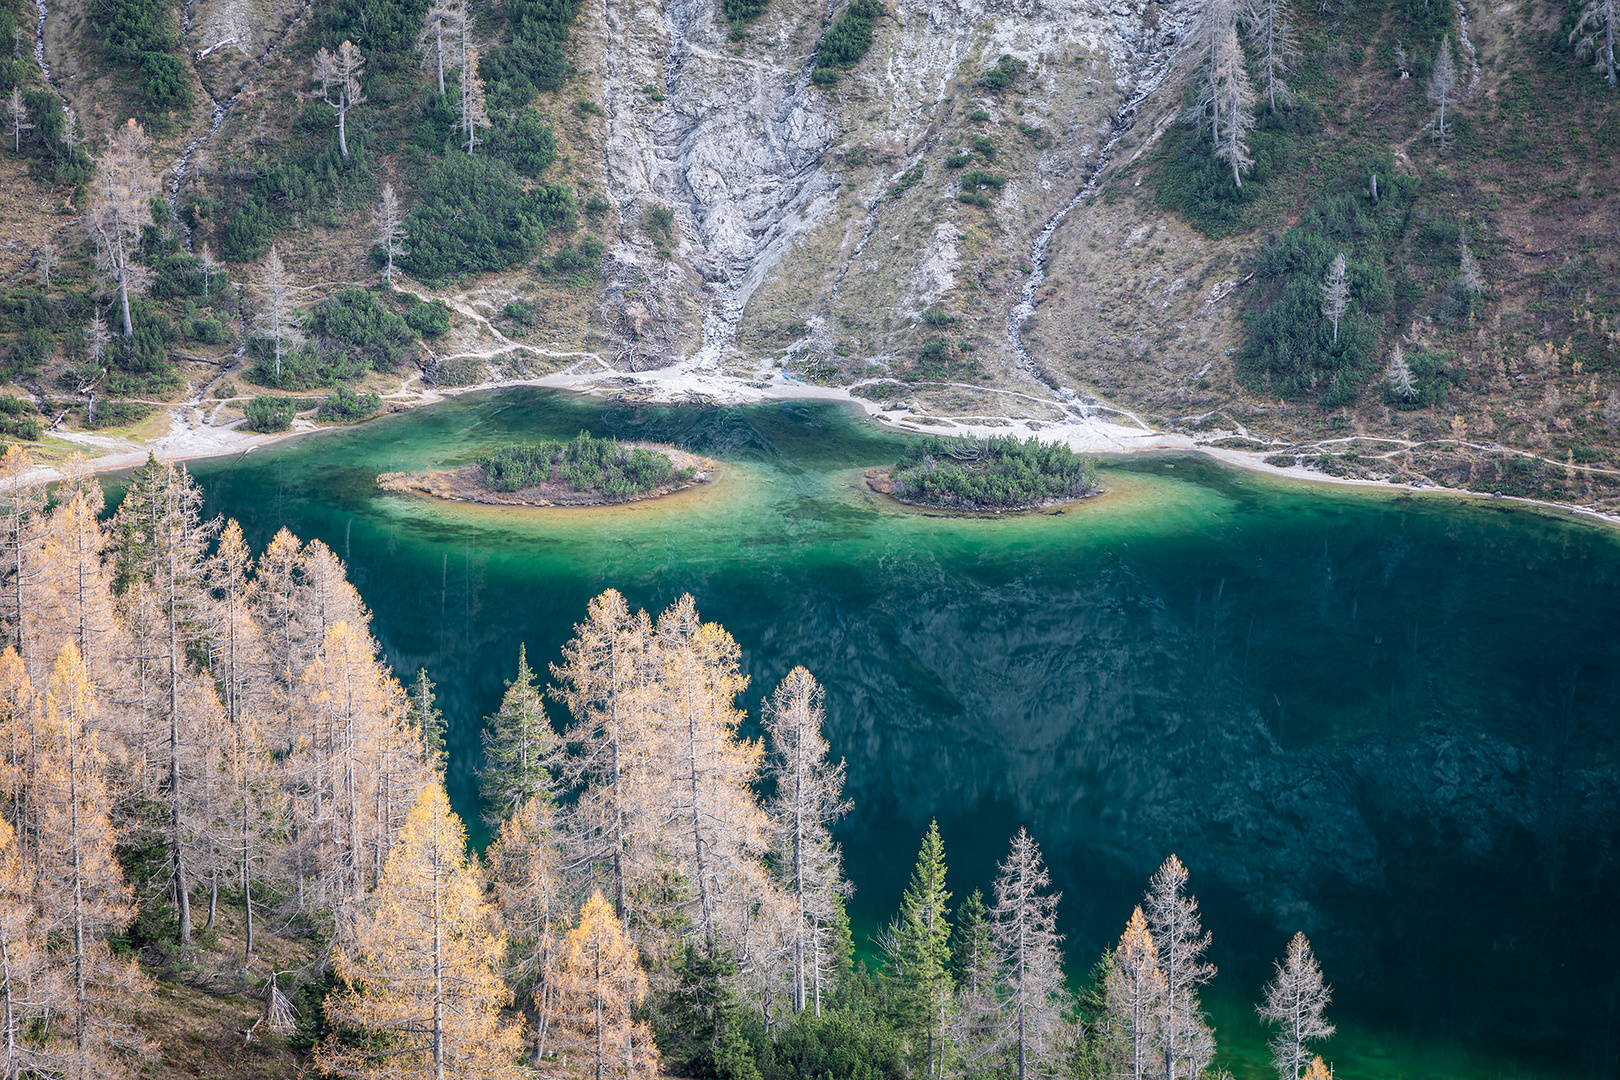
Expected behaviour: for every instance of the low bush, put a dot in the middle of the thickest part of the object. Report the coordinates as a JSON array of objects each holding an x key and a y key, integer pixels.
[
  {"x": 344, "y": 404},
  {"x": 475, "y": 216},
  {"x": 998, "y": 473},
  {"x": 1003, "y": 74},
  {"x": 268, "y": 413},
  {"x": 585, "y": 464},
  {"x": 428, "y": 318},
  {"x": 526, "y": 143},
  {"x": 19, "y": 419},
  {"x": 846, "y": 40},
  {"x": 357, "y": 322}
]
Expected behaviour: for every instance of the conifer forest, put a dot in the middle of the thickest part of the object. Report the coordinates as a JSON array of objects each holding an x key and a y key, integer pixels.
[{"x": 200, "y": 739}]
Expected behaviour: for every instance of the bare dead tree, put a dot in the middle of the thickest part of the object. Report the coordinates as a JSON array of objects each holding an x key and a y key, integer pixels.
[
  {"x": 1336, "y": 294},
  {"x": 277, "y": 321},
  {"x": 389, "y": 224},
  {"x": 1178, "y": 934},
  {"x": 1596, "y": 18},
  {"x": 1023, "y": 928},
  {"x": 17, "y": 112},
  {"x": 1442, "y": 92},
  {"x": 1296, "y": 999},
  {"x": 124, "y": 189},
  {"x": 339, "y": 74},
  {"x": 1271, "y": 28},
  {"x": 809, "y": 798}
]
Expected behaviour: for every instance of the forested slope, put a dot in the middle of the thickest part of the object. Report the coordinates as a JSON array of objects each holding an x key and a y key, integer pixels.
[{"x": 329, "y": 208}]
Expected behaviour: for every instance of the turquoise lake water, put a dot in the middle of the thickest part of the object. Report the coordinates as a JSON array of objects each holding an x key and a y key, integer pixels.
[{"x": 1388, "y": 721}]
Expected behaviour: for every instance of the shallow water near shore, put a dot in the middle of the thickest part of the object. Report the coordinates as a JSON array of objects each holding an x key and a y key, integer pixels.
[{"x": 1388, "y": 721}]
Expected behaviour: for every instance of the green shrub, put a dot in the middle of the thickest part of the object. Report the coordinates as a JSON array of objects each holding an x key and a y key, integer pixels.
[
  {"x": 142, "y": 33},
  {"x": 430, "y": 319},
  {"x": 519, "y": 311},
  {"x": 346, "y": 405},
  {"x": 28, "y": 352},
  {"x": 978, "y": 116},
  {"x": 937, "y": 316},
  {"x": 268, "y": 413},
  {"x": 978, "y": 178},
  {"x": 1432, "y": 377},
  {"x": 985, "y": 146},
  {"x": 534, "y": 59},
  {"x": 596, "y": 206},
  {"x": 658, "y": 220},
  {"x": 248, "y": 230},
  {"x": 19, "y": 419},
  {"x": 989, "y": 474},
  {"x": 586, "y": 464},
  {"x": 1003, "y": 74},
  {"x": 578, "y": 262},
  {"x": 206, "y": 329},
  {"x": 110, "y": 413},
  {"x": 743, "y": 11},
  {"x": 355, "y": 321},
  {"x": 526, "y": 143},
  {"x": 846, "y": 40},
  {"x": 956, "y": 161},
  {"x": 474, "y": 216},
  {"x": 306, "y": 365}
]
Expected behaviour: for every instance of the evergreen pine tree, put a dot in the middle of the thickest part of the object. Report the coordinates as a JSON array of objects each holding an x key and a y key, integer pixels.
[
  {"x": 519, "y": 745},
  {"x": 919, "y": 951}
]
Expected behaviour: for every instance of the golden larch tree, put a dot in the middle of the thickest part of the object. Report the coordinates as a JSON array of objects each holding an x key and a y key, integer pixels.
[
  {"x": 81, "y": 891},
  {"x": 1134, "y": 991},
  {"x": 527, "y": 870},
  {"x": 599, "y": 982},
  {"x": 421, "y": 982}
]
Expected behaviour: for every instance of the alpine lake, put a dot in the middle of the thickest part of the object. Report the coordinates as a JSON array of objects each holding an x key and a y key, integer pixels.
[{"x": 1390, "y": 721}]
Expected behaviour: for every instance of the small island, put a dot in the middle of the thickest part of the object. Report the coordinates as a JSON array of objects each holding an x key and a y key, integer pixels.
[
  {"x": 995, "y": 473},
  {"x": 586, "y": 471}
]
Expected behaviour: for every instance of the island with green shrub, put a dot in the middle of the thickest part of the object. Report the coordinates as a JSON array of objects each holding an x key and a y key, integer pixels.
[
  {"x": 586, "y": 471},
  {"x": 995, "y": 473}
]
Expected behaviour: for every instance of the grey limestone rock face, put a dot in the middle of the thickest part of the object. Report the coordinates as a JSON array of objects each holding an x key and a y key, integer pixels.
[{"x": 781, "y": 189}]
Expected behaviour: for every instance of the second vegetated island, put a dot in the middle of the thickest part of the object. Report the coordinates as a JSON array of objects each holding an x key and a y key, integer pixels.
[
  {"x": 585, "y": 471},
  {"x": 997, "y": 473}
]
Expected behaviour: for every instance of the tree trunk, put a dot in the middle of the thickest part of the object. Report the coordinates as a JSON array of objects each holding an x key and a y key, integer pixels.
[
  {"x": 343, "y": 139},
  {"x": 438, "y": 968},
  {"x": 247, "y": 882},
  {"x": 182, "y": 889},
  {"x": 79, "y": 995}
]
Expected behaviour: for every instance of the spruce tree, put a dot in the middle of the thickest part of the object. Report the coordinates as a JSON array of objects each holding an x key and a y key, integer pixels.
[
  {"x": 919, "y": 951},
  {"x": 518, "y": 747},
  {"x": 423, "y": 713}
]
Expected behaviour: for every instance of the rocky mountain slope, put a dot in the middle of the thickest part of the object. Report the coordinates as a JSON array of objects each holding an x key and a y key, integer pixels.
[{"x": 990, "y": 215}]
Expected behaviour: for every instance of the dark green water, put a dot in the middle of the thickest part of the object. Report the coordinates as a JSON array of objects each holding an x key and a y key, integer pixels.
[{"x": 1389, "y": 722}]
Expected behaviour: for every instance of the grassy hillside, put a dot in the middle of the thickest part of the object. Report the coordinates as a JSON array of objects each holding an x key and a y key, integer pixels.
[{"x": 1529, "y": 361}]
